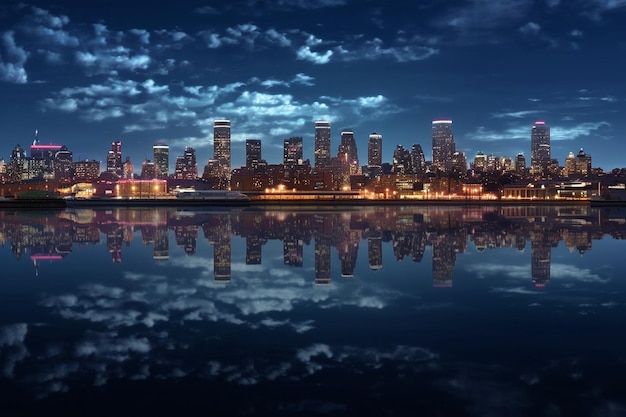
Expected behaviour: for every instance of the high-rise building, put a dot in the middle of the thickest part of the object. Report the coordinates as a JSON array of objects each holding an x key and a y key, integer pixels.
[
  {"x": 63, "y": 165},
  {"x": 540, "y": 148},
  {"x": 401, "y": 163},
  {"x": 86, "y": 170},
  {"x": 443, "y": 144},
  {"x": 322, "y": 144},
  {"x": 418, "y": 161},
  {"x": 520, "y": 164},
  {"x": 348, "y": 151},
  {"x": 161, "y": 154},
  {"x": 186, "y": 167},
  {"x": 253, "y": 153},
  {"x": 114, "y": 159},
  {"x": 129, "y": 169},
  {"x": 221, "y": 146},
  {"x": 148, "y": 170},
  {"x": 375, "y": 150},
  {"x": 292, "y": 152}
]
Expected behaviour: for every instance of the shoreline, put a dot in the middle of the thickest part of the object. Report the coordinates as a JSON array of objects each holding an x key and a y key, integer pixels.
[{"x": 291, "y": 202}]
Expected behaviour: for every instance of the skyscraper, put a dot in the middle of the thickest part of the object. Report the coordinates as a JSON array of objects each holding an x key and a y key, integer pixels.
[
  {"x": 161, "y": 154},
  {"x": 540, "y": 148},
  {"x": 375, "y": 150},
  {"x": 221, "y": 145},
  {"x": 418, "y": 161},
  {"x": 253, "y": 153},
  {"x": 292, "y": 152},
  {"x": 186, "y": 167},
  {"x": 443, "y": 144},
  {"x": 114, "y": 159},
  {"x": 322, "y": 144},
  {"x": 348, "y": 152}
]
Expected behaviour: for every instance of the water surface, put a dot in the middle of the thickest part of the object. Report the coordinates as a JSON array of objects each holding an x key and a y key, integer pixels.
[{"x": 394, "y": 310}]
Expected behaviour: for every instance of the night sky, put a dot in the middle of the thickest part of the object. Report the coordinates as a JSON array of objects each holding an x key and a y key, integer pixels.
[{"x": 86, "y": 73}]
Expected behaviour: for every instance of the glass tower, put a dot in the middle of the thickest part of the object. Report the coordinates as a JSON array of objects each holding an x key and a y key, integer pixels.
[
  {"x": 539, "y": 148},
  {"x": 221, "y": 145},
  {"x": 443, "y": 144},
  {"x": 161, "y": 157},
  {"x": 322, "y": 144}
]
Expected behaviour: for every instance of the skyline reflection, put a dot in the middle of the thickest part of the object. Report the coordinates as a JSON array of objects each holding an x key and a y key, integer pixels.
[
  {"x": 276, "y": 312},
  {"x": 336, "y": 235}
]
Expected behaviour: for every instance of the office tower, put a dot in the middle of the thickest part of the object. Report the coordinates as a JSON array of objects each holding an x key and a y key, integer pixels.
[
  {"x": 253, "y": 153},
  {"x": 348, "y": 151},
  {"x": 63, "y": 165},
  {"x": 129, "y": 169},
  {"x": 578, "y": 165},
  {"x": 401, "y": 163},
  {"x": 540, "y": 148},
  {"x": 253, "y": 249},
  {"x": 161, "y": 157},
  {"x": 443, "y": 145},
  {"x": 114, "y": 159},
  {"x": 418, "y": 161},
  {"x": 459, "y": 163},
  {"x": 520, "y": 164},
  {"x": 480, "y": 162},
  {"x": 186, "y": 167},
  {"x": 86, "y": 170},
  {"x": 221, "y": 146},
  {"x": 444, "y": 258},
  {"x": 322, "y": 144},
  {"x": 375, "y": 150},
  {"x": 148, "y": 170},
  {"x": 292, "y": 152}
]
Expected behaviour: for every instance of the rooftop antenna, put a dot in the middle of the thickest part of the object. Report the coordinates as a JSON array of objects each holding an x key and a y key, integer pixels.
[{"x": 36, "y": 140}]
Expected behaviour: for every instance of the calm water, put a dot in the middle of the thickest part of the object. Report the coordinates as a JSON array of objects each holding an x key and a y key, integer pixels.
[{"x": 491, "y": 311}]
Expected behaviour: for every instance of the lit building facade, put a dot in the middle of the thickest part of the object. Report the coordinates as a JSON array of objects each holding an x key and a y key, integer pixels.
[
  {"x": 86, "y": 170},
  {"x": 348, "y": 152},
  {"x": 418, "y": 161},
  {"x": 443, "y": 145},
  {"x": 114, "y": 159},
  {"x": 292, "y": 152},
  {"x": 375, "y": 150},
  {"x": 186, "y": 167},
  {"x": 322, "y": 144},
  {"x": 540, "y": 148},
  {"x": 221, "y": 146},
  {"x": 161, "y": 158},
  {"x": 253, "y": 153}
]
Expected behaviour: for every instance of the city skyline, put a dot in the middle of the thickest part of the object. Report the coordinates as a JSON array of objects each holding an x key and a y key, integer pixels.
[{"x": 89, "y": 76}]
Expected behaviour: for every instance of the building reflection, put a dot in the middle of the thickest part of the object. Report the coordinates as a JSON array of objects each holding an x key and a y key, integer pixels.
[{"x": 406, "y": 232}]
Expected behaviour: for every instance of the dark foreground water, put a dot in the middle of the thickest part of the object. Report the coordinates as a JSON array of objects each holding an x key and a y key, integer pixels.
[{"x": 495, "y": 311}]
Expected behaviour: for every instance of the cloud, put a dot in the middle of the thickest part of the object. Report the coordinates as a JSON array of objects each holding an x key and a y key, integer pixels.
[
  {"x": 480, "y": 14},
  {"x": 306, "y": 54},
  {"x": 530, "y": 28},
  {"x": 12, "y": 60},
  {"x": 557, "y": 133},
  {"x": 516, "y": 114},
  {"x": 375, "y": 49}
]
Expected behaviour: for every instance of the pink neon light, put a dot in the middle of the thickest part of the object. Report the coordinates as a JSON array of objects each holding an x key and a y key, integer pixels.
[
  {"x": 540, "y": 122},
  {"x": 127, "y": 180},
  {"x": 442, "y": 121},
  {"x": 46, "y": 147},
  {"x": 46, "y": 257}
]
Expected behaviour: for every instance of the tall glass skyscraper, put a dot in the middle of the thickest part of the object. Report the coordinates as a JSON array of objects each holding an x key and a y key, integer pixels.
[
  {"x": 221, "y": 145},
  {"x": 253, "y": 153},
  {"x": 375, "y": 150},
  {"x": 347, "y": 150},
  {"x": 161, "y": 157},
  {"x": 322, "y": 144},
  {"x": 443, "y": 145},
  {"x": 539, "y": 148},
  {"x": 114, "y": 159}
]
